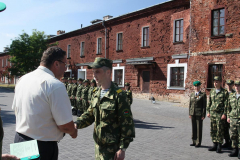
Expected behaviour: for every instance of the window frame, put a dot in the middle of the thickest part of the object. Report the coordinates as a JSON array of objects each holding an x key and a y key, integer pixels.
[
  {"x": 177, "y": 64},
  {"x": 118, "y": 44},
  {"x": 212, "y": 20},
  {"x": 212, "y": 75},
  {"x": 174, "y": 31},
  {"x": 99, "y": 51},
  {"x": 68, "y": 51},
  {"x": 123, "y": 74},
  {"x": 148, "y": 37},
  {"x": 82, "y": 49}
]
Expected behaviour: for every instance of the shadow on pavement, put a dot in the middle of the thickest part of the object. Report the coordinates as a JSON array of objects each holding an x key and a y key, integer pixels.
[
  {"x": 8, "y": 117},
  {"x": 5, "y": 90},
  {"x": 147, "y": 125}
]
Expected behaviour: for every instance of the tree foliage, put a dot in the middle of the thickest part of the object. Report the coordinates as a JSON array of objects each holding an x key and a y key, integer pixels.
[{"x": 26, "y": 51}]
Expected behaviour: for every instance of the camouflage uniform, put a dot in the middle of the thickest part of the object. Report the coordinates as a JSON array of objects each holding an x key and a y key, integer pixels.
[
  {"x": 129, "y": 96},
  {"x": 113, "y": 127},
  {"x": 69, "y": 89},
  {"x": 78, "y": 97},
  {"x": 217, "y": 106},
  {"x": 90, "y": 93},
  {"x": 73, "y": 95},
  {"x": 84, "y": 96}
]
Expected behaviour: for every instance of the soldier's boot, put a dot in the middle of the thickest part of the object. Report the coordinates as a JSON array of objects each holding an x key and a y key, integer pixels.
[
  {"x": 234, "y": 153},
  {"x": 79, "y": 113},
  {"x": 214, "y": 147},
  {"x": 227, "y": 144},
  {"x": 74, "y": 111},
  {"x": 219, "y": 148}
]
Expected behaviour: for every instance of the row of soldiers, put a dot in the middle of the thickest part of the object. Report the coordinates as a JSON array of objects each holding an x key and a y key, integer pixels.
[{"x": 80, "y": 93}]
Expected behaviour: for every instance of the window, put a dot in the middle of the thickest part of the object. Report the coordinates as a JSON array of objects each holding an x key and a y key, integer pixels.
[
  {"x": 218, "y": 22},
  {"x": 118, "y": 75},
  {"x": 99, "y": 45},
  {"x": 178, "y": 30},
  {"x": 214, "y": 70},
  {"x": 82, "y": 49},
  {"x": 68, "y": 51},
  {"x": 145, "y": 37},
  {"x": 176, "y": 75},
  {"x": 119, "y": 41}
]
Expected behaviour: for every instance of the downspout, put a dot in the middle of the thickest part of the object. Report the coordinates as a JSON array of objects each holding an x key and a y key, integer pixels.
[
  {"x": 105, "y": 38},
  {"x": 190, "y": 31}
]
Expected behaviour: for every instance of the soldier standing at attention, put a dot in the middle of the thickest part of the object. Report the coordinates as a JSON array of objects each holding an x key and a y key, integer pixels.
[
  {"x": 69, "y": 87},
  {"x": 84, "y": 95},
  {"x": 110, "y": 113},
  {"x": 92, "y": 88},
  {"x": 234, "y": 118},
  {"x": 227, "y": 144},
  {"x": 197, "y": 113},
  {"x": 73, "y": 94},
  {"x": 128, "y": 93},
  {"x": 65, "y": 82},
  {"x": 216, "y": 111},
  {"x": 78, "y": 96}
]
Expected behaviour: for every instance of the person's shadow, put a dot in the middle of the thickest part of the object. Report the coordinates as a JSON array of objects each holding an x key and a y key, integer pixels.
[
  {"x": 148, "y": 125},
  {"x": 8, "y": 117}
]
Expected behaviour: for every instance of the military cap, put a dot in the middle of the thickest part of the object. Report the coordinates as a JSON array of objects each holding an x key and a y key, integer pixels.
[
  {"x": 197, "y": 83},
  {"x": 237, "y": 82},
  {"x": 62, "y": 78},
  {"x": 217, "y": 78},
  {"x": 86, "y": 80},
  {"x": 229, "y": 81},
  {"x": 74, "y": 78},
  {"x": 101, "y": 62},
  {"x": 127, "y": 84},
  {"x": 93, "y": 81},
  {"x": 69, "y": 78},
  {"x": 80, "y": 79}
]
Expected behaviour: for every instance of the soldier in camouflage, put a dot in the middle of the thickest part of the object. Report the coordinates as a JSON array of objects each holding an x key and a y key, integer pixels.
[
  {"x": 217, "y": 111},
  {"x": 73, "y": 94},
  {"x": 92, "y": 88},
  {"x": 78, "y": 97},
  {"x": 111, "y": 114},
  {"x": 69, "y": 87},
  {"x": 128, "y": 93},
  {"x": 234, "y": 120},
  {"x": 84, "y": 95}
]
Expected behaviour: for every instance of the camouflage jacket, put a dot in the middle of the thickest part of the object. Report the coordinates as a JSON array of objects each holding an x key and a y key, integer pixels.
[
  {"x": 74, "y": 90},
  {"x": 66, "y": 84},
  {"x": 90, "y": 93},
  {"x": 84, "y": 94},
  {"x": 197, "y": 104},
  {"x": 112, "y": 116},
  {"x": 69, "y": 89},
  {"x": 233, "y": 109},
  {"x": 129, "y": 96},
  {"x": 79, "y": 90},
  {"x": 218, "y": 101}
]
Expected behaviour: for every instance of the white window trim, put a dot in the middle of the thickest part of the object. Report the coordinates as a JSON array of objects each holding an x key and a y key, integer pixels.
[
  {"x": 117, "y": 41},
  {"x": 97, "y": 45},
  {"x": 148, "y": 35},
  {"x": 174, "y": 29},
  {"x": 81, "y": 49},
  {"x": 68, "y": 55},
  {"x": 118, "y": 68},
  {"x": 177, "y": 64},
  {"x": 85, "y": 70}
]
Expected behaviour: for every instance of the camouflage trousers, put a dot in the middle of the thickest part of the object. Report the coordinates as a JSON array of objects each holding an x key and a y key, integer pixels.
[
  {"x": 235, "y": 132},
  {"x": 85, "y": 104},
  {"x": 73, "y": 102},
  {"x": 105, "y": 152},
  {"x": 217, "y": 127},
  {"x": 226, "y": 130},
  {"x": 79, "y": 104}
]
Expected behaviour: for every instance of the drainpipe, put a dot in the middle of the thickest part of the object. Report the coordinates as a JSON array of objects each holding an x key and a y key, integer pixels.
[
  {"x": 190, "y": 30},
  {"x": 105, "y": 38}
]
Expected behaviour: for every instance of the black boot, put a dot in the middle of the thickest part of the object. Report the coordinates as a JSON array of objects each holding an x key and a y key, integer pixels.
[
  {"x": 219, "y": 148},
  {"x": 79, "y": 113},
  {"x": 234, "y": 153},
  {"x": 227, "y": 144},
  {"x": 214, "y": 147},
  {"x": 74, "y": 111}
]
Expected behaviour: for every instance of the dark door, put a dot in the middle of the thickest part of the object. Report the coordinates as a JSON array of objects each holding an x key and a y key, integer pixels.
[{"x": 146, "y": 81}]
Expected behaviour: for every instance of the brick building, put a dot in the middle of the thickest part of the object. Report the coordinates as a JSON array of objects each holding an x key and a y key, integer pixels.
[{"x": 149, "y": 48}]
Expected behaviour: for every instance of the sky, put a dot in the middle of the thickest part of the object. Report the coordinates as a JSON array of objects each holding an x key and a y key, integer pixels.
[{"x": 53, "y": 15}]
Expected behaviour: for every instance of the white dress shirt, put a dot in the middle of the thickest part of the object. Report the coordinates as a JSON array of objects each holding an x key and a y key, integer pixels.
[{"x": 41, "y": 104}]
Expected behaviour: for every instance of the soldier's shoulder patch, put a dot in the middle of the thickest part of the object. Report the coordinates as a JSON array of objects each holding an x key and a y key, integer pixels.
[
  {"x": 119, "y": 91},
  {"x": 126, "y": 112}
]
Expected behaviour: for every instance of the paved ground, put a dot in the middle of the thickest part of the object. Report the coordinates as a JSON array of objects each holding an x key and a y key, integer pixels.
[{"x": 163, "y": 132}]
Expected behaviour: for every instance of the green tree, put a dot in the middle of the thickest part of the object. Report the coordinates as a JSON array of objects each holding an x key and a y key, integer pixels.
[{"x": 26, "y": 51}]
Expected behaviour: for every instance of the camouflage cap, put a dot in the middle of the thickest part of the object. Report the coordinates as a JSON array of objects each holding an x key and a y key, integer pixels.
[
  {"x": 237, "y": 82},
  {"x": 127, "y": 84},
  {"x": 93, "y": 81},
  {"x": 217, "y": 78},
  {"x": 74, "y": 78},
  {"x": 197, "y": 83},
  {"x": 80, "y": 79},
  {"x": 62, "y": 78},
  {"x": 69, "y": 78},
  {"x": 101, "y": 62},
  {"x": 86, "y": 80},
  {"x": 229, "y": 81}
]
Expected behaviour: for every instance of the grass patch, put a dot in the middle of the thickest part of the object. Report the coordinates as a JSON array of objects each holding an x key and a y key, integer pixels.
[{"x": 9, "y": 86}]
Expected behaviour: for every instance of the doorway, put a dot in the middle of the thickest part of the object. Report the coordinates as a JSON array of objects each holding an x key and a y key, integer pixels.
[{"x": 145, "y": 81}]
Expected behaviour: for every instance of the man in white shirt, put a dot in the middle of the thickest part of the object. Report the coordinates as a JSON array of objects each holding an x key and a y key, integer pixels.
[{"x": 42, "y": 106}]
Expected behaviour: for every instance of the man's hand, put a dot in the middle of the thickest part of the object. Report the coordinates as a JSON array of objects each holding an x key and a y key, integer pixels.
[
  {"x": 70, "y": 97},
  {"x": 74, "y": 134},
  {"x": 203, "y": 118},
  {"x": 208, "y": 115},
  {"x": 228, "y": 120},
  {"x": 9, "y": 157},
  {"x": 120, "y": 155},
  {"x": 223, "y": 116},
  {"x": 190, "y": 116}
]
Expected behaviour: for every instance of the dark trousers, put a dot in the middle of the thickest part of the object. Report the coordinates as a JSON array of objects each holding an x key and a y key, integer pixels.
[
  {"x": 197, "y": 129},
  {"x": 48, "y": 150}
]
